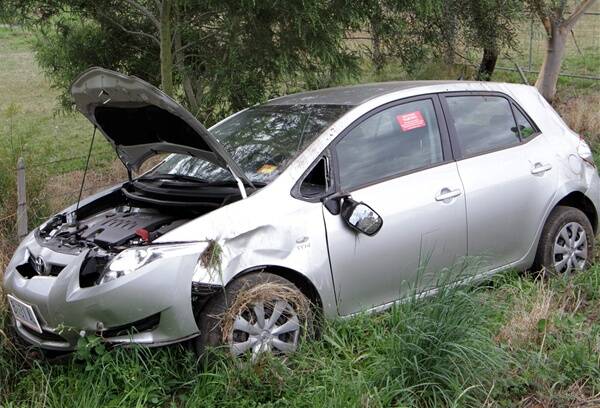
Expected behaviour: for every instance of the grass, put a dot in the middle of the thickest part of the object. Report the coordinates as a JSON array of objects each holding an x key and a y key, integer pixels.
[{"x": 514, "y": 341}]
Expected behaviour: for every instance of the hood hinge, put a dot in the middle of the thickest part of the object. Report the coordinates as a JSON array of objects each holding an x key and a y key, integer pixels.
[{"x": 240, "y": 183}]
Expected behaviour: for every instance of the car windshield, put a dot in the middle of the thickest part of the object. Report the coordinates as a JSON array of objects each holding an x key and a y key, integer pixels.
[{"x": 262, "y": 140}]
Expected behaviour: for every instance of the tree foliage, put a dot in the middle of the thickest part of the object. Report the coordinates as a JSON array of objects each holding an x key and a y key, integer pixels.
[
  {"x": 218, "y": 56},
  {"x": 225, "y": 55},
  {"x": 488, "y": 25},
  {"x": 409, "y": 30}
]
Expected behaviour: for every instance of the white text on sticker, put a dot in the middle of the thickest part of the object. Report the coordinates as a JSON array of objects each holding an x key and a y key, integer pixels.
[{"x": 411, "y": 120}]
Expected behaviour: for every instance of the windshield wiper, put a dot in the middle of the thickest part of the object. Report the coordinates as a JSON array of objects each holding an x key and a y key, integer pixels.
[
  {"x": 255, "y": 184},
  {"x": 178, "y": 177}
]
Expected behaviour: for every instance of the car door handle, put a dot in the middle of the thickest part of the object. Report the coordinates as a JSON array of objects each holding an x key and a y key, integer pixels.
[
  {"x": 447, "y": 194},
  {"x": 540, "y": 168}
]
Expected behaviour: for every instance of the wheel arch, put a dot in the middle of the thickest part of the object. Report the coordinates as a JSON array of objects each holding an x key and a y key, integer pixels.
[
  {"x": 579, "y": 200},
  {"x": 574, "y": 198},
  {"x": 299, "y": 280}
]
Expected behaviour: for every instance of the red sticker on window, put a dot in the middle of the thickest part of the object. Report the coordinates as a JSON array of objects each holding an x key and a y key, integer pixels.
[{"x": 410, "y": 121}]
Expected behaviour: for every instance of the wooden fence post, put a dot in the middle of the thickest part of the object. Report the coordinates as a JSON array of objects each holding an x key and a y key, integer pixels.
[{"x": 21, "y": 200}]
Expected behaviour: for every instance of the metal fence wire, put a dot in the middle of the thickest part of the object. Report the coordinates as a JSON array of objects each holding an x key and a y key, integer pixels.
[{"x": 582, "y": 56}]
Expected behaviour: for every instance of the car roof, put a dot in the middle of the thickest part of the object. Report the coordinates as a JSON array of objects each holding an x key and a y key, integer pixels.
[{"x": 357, "y": 94}]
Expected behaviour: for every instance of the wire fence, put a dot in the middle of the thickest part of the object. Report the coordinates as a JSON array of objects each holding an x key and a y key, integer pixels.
[
  {"x": 582, "y": 57},
  {"x": 49, "y": 193},
  {"x": 49, "y": 176}
]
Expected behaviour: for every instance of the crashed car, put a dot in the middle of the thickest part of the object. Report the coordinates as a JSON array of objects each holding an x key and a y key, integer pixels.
[{"x": 339, "y": 195}]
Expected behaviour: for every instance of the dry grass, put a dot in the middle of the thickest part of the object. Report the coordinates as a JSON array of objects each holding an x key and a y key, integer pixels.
[
  {"x": 582, "y": 114},
  {"x": 523, "y": 326},
  {"x": 578, "y": 395},
  {"x": 268, "y": 293},
  {"x": 62, "y": 190},
  {"x": 531, "y": 318}
]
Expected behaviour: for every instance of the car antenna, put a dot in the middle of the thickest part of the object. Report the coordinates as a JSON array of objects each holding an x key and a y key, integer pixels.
[{"x": 87, "y": 163}]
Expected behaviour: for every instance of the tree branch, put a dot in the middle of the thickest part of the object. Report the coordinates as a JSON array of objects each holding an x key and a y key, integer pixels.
[
  {"x": 539, "y": 8},
  {"x": 547, "y": 23},
  {"x": 145, "y": 12},
  {"x": 181, "y": 48},
  {"x": 578, "y": 12},
  {"x": 141, "y": 33}
]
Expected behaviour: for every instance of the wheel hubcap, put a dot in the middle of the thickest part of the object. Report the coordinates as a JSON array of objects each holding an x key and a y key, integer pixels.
[
  {"x": 570, "y": 248},
  {"x": 265, "y": 327}
]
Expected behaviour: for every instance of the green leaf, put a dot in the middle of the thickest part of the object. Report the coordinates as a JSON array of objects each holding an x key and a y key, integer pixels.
[{"x": 541, "y": 325}]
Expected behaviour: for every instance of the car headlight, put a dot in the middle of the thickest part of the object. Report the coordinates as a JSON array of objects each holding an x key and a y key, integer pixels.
[{"x": 133, "y": 259}]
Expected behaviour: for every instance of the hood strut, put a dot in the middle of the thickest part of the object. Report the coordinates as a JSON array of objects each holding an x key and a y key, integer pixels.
[{"x": 87, "y": 163}]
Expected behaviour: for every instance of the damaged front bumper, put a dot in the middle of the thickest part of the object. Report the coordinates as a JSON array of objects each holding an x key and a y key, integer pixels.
[{"x": 151, "y": 305}]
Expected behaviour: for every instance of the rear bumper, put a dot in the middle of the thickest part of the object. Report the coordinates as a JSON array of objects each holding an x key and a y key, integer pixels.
[{"x": 151, "y": 306}]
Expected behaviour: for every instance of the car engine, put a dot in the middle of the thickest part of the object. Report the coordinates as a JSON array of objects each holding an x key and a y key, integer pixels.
[{"x": 113, "y": 230}]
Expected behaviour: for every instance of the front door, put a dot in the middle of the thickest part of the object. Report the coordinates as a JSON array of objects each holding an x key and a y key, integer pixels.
[{"x": 393, "y": 160}]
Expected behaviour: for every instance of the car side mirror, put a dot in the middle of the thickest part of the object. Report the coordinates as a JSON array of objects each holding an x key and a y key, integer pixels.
[
  {"x": 333, "y": 202},
  {"x": 361, "y": 217}
]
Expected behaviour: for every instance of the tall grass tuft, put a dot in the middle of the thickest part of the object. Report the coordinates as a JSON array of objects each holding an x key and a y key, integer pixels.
[{"x": 438, "y": 352}]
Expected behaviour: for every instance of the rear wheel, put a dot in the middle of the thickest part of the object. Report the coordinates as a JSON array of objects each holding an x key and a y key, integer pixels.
[
  {"x": 257, "y": 313},
  {"x": 567, "y": 242}
]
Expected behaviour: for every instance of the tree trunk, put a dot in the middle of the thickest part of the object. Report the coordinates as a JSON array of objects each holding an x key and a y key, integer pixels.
[
  {"x": 188, "y": 87},
  {"x": 488, "y": 64},
  {"x": 450, "y": 30},
  {"x": 555, "y": 50},
  {"x": 166, "y": 50},
  {"x": 377, "y": 55}
]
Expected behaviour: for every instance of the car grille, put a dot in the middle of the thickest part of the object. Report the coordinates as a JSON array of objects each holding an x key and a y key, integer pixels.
[
  {"x": 44, "y": 336},
  {"x": 139, "y": 326},
  {"x": 28, "y": 269}
]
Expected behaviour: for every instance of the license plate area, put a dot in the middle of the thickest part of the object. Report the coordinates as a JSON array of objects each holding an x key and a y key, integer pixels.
[{"x": 24, "y": 313}]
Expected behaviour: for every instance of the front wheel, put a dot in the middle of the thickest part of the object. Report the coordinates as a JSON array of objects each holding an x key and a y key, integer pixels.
[
  {"x": 257, "y": 313},
  {"x": 567, "y": 242}
]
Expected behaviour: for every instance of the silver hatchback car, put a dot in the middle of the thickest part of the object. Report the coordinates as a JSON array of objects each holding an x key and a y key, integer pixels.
[{"x": 334, "y": 198}]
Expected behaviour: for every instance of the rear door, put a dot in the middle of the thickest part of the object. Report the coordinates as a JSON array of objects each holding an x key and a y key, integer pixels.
[{"x": 508, "y": 173}]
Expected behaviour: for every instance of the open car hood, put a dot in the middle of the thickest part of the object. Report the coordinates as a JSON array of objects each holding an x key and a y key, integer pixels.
[{"x": 140, "y": 121}]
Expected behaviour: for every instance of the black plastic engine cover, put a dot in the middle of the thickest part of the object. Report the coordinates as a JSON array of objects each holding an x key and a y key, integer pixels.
[{"x": 116, "y": 228}]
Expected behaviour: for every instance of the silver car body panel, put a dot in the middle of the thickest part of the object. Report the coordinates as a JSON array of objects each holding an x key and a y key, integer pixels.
[
  {"x": 271, "y": 228},
  {"x": 500, "y": 186}
]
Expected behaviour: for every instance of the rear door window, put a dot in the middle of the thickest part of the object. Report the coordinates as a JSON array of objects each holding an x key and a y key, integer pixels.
[{"x": 482, "y": 123}]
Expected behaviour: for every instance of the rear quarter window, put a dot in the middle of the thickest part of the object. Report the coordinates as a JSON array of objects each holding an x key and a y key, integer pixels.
[{"x": 526, "y": 128}]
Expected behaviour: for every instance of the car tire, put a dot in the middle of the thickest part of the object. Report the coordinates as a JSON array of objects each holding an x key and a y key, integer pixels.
[
  {"x": 230, "y": 320},
  {"x": 567, "y": 242}
]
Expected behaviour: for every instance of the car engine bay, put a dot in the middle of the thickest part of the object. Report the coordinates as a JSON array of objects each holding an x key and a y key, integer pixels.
[
  {"x": 136, "y": 214},
  {"x": 132, "y": 215}
]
